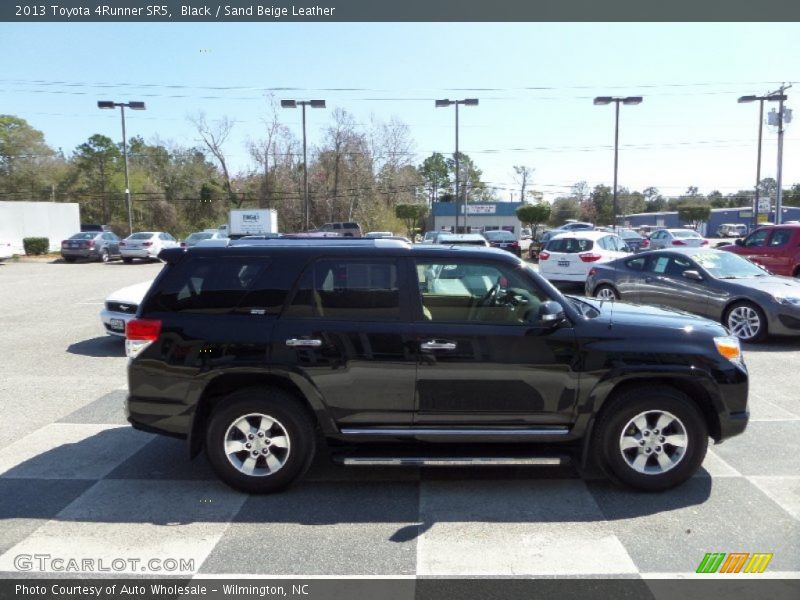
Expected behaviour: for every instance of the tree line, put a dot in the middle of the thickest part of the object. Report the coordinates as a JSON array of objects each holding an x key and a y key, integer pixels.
[{"x": 356, "y": 172}]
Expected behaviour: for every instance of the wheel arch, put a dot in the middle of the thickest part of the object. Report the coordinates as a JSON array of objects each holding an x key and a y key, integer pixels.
[
  {"x": 694, "y": 389},
  {"x": 221, "y": 386}
]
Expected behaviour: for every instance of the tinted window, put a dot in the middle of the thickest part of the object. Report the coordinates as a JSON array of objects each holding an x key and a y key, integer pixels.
[
  {"x": 348, "y": 289},
  {"x": 473, "y": 291},
  {"x": 780, "y": 237},
  {"x": 83, "y": 236},
  {"x": 757, "y": 239},
  {"x": 569, "y": 245},
  {"x": 229, "y": 285}
]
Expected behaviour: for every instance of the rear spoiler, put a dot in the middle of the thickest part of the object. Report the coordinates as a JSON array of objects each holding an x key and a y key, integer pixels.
[{"x": 171, "y": 255}]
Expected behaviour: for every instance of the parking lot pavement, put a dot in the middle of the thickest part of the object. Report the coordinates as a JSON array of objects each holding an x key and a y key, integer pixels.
[{"x": 76, "y": 482}]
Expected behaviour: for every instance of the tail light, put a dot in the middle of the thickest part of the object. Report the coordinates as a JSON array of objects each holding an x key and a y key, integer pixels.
[
  {"x": 90, "y": 244},
  {"x": 544, "y": 255},
  {"x": 147, "y": 244},
  {"x": 678, "y": 243},
  {"x": 139, "y": 334},
  {"x": 589, "y": 256},
  {"x": 515, "y": 244},
  {"x": 645, "y": 244}
]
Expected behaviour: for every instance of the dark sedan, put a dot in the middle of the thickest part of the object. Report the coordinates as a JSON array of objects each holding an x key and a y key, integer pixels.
[
  {"x": 637, "y": 242},
  {"x": 94, "y": 245},
  {"x": 505, "y": 240},
  {"x": 722, "y": 286}
]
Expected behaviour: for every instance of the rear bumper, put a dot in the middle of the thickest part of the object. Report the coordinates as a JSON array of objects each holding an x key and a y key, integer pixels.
[
  {"x": 80, "y": 252},
  {"x": 138, "y": 253}
]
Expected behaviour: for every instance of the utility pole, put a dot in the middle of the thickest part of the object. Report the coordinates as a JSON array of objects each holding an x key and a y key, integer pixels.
[{"x": 781, "y": 120}]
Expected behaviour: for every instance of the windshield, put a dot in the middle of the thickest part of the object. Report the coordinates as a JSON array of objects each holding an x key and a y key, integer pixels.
[
  {"x": 726, "y": 265},
  {"x": 141, "y": 236}
]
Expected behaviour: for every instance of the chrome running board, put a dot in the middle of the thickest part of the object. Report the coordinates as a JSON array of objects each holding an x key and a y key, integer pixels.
[
  {"x": 453, "y": 431},
  {"x": 421, "y": 461}
]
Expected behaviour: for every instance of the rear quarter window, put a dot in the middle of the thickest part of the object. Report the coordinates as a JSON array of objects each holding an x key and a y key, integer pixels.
[{"x": 234, "y": 285}]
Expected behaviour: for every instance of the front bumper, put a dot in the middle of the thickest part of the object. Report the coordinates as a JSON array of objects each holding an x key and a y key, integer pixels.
[{"x": 112, "y": 319}]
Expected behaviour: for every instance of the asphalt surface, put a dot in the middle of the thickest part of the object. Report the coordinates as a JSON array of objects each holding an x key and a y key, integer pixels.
[{"x": 77, "y": 482}]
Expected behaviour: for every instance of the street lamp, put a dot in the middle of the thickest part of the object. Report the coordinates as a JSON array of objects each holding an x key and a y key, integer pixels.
[
  {"x": 465, "y": 102},
  {"x": 132, "y": 106},
  {"x": 312, "y": 104},
  {"x": 773, "y": 97},
  {"x": 602, "y": 100}
]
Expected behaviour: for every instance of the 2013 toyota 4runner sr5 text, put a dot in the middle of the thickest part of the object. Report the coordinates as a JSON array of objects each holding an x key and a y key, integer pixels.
[{"x": 258, "y": 351}]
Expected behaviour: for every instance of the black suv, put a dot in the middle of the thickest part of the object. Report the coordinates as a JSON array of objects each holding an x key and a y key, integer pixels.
[{"x": 389, "y": 354}]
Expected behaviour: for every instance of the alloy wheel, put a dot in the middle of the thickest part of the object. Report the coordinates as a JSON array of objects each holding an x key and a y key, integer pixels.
[
  {"x": 744, "y": 322},
  {"x": 257, "y": 445},
  {"x": 653, "y": 442}
]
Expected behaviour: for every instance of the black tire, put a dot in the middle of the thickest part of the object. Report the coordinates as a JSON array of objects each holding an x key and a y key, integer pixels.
[
  {"x": 127, "y": 261},
  {"x": 104, "y": 256},
  {"x": 69, "y": 259},
  {"x": 616, "y": 421},
  {"x": 739, "y": 311},
  {"x": 607, "y": 289},
  {"x": 291, "y": 420}
]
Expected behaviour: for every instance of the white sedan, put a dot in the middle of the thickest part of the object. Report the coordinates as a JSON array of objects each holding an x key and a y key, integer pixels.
[
  {"x": 146, "y": 245},
  {"x": 668, "y": 238},
  {"x": 121, "y": 306},
  {"x": 569, "y": 256},
  {"x": 6, "y": 251}
]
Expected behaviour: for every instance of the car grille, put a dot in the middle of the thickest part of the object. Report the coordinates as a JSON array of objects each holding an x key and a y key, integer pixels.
[{"x": 122, "y": 307}]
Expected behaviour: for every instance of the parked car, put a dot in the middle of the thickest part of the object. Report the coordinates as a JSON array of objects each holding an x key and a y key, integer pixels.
[
  {"x": 466, "y": 355},
  {"x": 343, "y": 228},
  {"x": 121, "y": 306},
  {"x": 728, "y": 230},
  {"x": 379, "y": 234},
  {"x": 569, "y": 256},
  {"x": 715, "y": 284},
  {"x": 539, "y": 241},
  {"x": 633, "y": 239},
  {"x": 431, "y": 236},
  {"x": 505, "y": 240},
  {"x": 776, "y": 247},
  {"x": 146, "y": 245},
  {"x": 462, "y": 239},
  {"x": 6, "y": 250},
  {"x": 576, "y": 226},
  {"x": 94, "y": 245},
  {"x": 198, "y": 236},
  {"x": 667, "y": 238}
]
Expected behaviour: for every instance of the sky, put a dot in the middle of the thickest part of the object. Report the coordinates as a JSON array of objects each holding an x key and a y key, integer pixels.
[{"x": 535, "y": 83}]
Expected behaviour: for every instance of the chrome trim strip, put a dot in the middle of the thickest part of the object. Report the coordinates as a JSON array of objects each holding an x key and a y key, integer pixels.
[
  {"x": 452, "y": 461},
  {"x": 408, "y": 431}
]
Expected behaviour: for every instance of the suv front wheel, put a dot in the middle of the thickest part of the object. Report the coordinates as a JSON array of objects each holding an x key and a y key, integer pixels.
[
  {"x": 260, "y": 440},
  {"x": 651, "y": 440}
]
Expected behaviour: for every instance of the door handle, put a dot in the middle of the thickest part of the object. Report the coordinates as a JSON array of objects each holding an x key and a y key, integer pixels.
[
  {"x": 303, "y": 343},
  {"x": 434, "y": 345}
]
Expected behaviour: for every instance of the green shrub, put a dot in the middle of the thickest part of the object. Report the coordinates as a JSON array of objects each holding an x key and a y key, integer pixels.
[{"x": 36, "y": 245}]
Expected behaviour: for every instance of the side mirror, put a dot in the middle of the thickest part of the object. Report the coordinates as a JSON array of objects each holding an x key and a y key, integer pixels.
[
  {"x": 739, "y": 242},
  {"x": 549, "y": 313},
  {"x": 693, "y": 275}
]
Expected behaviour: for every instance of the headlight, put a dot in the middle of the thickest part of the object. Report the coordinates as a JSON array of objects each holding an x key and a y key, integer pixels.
[
  {"x": 791, "y": 301},
  {"x": 728, "y": 346}
]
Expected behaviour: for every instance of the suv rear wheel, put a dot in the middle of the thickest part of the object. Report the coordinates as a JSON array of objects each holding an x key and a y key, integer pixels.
[
  {"x": 651, "y": 440},
  {"x": 260, "y": 440}
]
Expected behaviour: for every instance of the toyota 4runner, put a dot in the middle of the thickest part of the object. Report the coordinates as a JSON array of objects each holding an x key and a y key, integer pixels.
[{"x": 257, "y": 351}]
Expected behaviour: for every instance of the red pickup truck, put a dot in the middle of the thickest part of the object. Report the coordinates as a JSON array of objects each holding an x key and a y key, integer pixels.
[{"x": 775, "y": 247}]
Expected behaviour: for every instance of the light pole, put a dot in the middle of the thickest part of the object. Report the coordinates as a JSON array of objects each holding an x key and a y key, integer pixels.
[
  {"x": 465, "y": 102},
  {"x": 602, "y": 100},
  {"x": 132, "y": 106},
  {"x": 312, "y": 104},
  {"x": 773, "y": 97}
]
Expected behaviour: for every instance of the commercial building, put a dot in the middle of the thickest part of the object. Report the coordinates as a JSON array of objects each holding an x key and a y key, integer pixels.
[
  {"x": 718, "y": 216},
  {"x": 483, "y": 216},
  {"x": 53, "y": 220}
]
